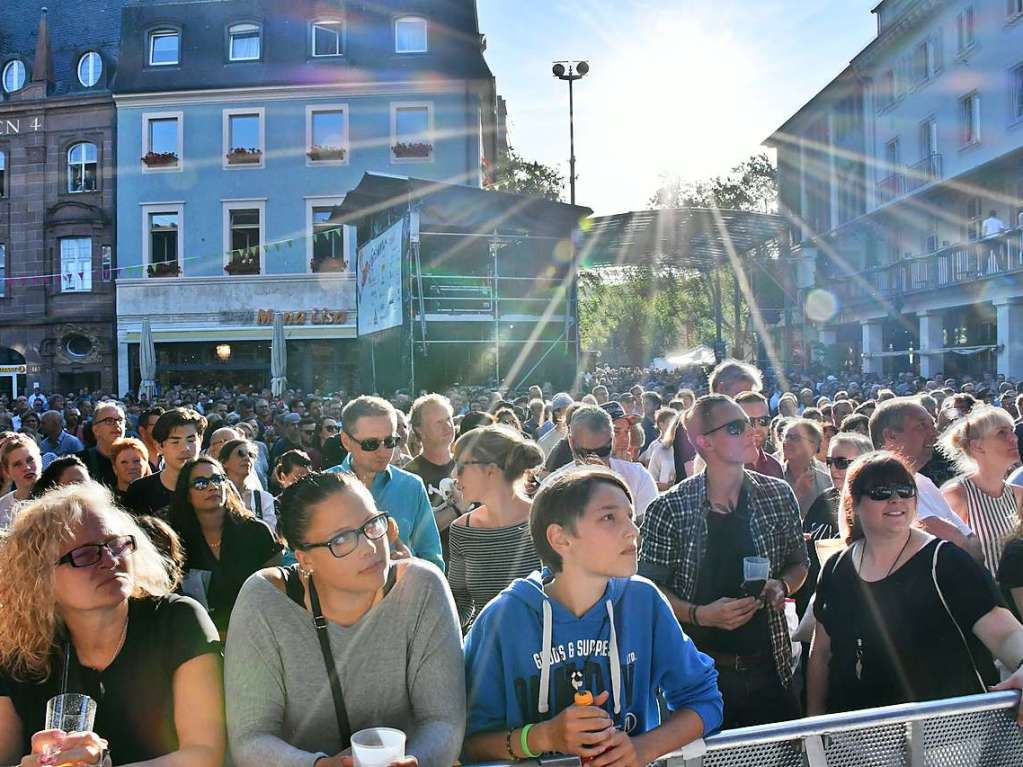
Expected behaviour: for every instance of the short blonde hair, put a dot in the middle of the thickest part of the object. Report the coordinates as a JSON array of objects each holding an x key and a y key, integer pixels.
[
  {"x": 980, "y": 421},
  {"x": 29, "y": 621}
]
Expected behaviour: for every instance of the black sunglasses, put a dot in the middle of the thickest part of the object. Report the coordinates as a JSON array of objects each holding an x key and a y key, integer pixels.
[
  {"x": 735, "y": 428},
  {"x": 887, "y": 492},
  {"x": 373, "y": 444},
  {"x": 91, "y": 553},
  {"x": 214, "y": 480},
  {"x": 839, "y": 463},
  {"x": 598, "y": 452},
  {"x": 760, "y": 420}
]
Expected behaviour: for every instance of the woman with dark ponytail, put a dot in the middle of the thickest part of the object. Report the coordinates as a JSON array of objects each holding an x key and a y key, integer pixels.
[{"x": 490, "y": 546}]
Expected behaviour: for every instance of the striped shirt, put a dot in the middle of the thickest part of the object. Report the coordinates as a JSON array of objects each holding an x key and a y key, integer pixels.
[
  {"x": 482, "y": 561},
  {"x": 993, "y": 519}
]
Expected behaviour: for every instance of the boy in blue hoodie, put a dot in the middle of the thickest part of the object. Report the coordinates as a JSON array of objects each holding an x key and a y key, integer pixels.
[{"x": 588, "y": 623}]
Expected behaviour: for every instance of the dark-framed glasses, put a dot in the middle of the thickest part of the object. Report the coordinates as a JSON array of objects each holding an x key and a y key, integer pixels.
[
  {"x": 887, "y": 492},
  {"x": 735, "y": 428},
  {"x": 214, "y": 480},
  {"x": 373, "y": 444},
  {"x": 109, "y": 421},
  {"x": 91, "y": 553},
  {"x": 347, "y": 541},
  {"x": 839, "y": 463},
  {"x": 597, "y": 452}
]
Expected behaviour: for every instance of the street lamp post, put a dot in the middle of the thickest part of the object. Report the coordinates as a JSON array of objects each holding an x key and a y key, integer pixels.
[{"x": 571, "y": 71}]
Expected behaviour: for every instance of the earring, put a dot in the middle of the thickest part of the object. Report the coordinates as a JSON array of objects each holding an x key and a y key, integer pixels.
[{"x": 305, "y": 572}]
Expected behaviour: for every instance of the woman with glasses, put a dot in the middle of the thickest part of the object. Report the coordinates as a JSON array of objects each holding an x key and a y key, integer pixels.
[
  {"x": 901, "y": 615},
  {"x": 800, "y": 442},
  {"x": 490, "y": 546},
  {"x": 388, "y": 652},
  {"x": 89, "y": 608},
  {"x": 21, "y": 463},
  {"x": 238, "y": 457},
  {"x": 982, "y": 445},
  {"x": 224, "y": 543}
]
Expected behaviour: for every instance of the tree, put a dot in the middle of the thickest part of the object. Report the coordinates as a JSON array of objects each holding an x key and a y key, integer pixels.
[
  {"x": 751, "y": 185},
  {"x": 520, "y": 176}
]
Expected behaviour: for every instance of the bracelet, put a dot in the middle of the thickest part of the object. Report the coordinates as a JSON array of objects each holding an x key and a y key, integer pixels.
[
  {"x": 696, "y": 618},
  {"x": 507, "y": 744},
  {"x": 524, "y": 741}
]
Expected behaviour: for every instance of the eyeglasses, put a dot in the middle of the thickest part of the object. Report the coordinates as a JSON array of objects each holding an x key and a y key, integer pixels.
[
  {"x": 347, "y": 541},
  {"x": 598, "y": 452},
  {"x": 887, "y": 492},
  {"x": 332, "y": 428},
  {"x": 214, "y": 480},
  {"x": 735, "y": 428},
  {"x": 111, "y": 421},
  {"x": 373, "y": 444},
  {"x": 91, "y": 553},
  {"x": 760, "y": 420},
  {"x": 839, "y": 463},
  {"x": 460, "y": 465}
]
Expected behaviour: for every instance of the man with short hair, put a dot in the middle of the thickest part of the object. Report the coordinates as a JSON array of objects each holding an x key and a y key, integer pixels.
[
  {"x": 590, "y": 437},
  {"x": 652, "y": 402},
  {"x": 56, "y": 440},
  {"x": 432, "y": 420},
  {"x": 291, "y": 439},
  {"x": 628, "y": 403},
  {"x": 178, "y": 433},
  {"x": 903, "y": 426},
  {"x": 600, "y": 393},
  {"x": 107, "y": 427},
  {"x": 369, "y": 434},
  {"x": 536, "y": 426},
  {"x": 221, "y": 437},
  {"x": 147, "y": 420},
  {"x": 754, "y": 405}
]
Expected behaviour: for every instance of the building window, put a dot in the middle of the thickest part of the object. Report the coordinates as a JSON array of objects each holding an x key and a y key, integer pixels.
[
  {"x": 923, "y": 62},
  {"x": 243, "y": 237},
  {"x": 164, "y": 47},
  {"x": 886, "y": 89},
  {"x": 969, "y": 118},
  {"x": 3, "y": 174},
  {"x": 928, "y": 138},
  {"x": 162, "y": 137},
  {"x": 410, "y": 35},
  {"x": 162, "y": 241},
  {"x": 1017, "y": 92},
  {"x": 244, "y": 42},
  {"x": 90, "y": 68},
  {"x": 14, "y": 76},
  {"x": 243, "y": 138},
  {"x": 75, "y": 265},
  {"x": 973, "y": 219},
  {"x": 411, "y": 132},
  {"x": 1014, "y": 8},
  {"x": 965, "y": 27},
  {"x": 327, "y": 133},
  {"x": 328, "y": 38},
  {"x": 81, "y": 168},
  {"x": 327, "y": 247}
]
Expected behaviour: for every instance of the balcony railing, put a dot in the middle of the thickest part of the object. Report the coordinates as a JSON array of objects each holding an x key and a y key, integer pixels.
[
  {"x": 953, "y": 265},
  {"x": 923, "y": 172},
  {"x": 889, "y": 187}
]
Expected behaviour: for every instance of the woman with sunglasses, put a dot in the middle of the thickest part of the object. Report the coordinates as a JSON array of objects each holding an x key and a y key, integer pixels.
[
  {"x": 490, "y": 546},
  {"x": 224, "y": 543},
  {"x": 982, "y": 445},
  {"x": 389, "y": 640},
  {"x": 89, "y": 608},
  {"x": 238, "y": 457},
  {"x": 901, "y": 615}
]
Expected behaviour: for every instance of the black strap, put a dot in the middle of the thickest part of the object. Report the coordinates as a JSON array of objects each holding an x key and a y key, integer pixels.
[{"x": 258, "y": 498}]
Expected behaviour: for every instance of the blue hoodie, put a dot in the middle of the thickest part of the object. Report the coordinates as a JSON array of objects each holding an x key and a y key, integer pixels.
[{"x": 526, "y": 655}]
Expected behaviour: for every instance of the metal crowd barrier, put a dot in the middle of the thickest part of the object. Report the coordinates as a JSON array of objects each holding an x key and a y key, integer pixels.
[{"x": 973, "y": 731}]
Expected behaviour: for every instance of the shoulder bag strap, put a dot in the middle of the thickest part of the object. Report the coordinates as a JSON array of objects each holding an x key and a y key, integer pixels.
[
  {"x": 962, "y": 636},
  {"x": 344, "y": 728},
  {"x": 257, "y": 497}
]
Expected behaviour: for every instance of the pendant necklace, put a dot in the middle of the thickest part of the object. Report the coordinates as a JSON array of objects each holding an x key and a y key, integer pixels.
[{"x": 859, "y": 569}]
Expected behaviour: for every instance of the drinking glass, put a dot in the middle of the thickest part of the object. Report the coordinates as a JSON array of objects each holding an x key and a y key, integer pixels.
[
  {"x": 71, "y": 712},
  {"x": 755, "y": 572},
  {"x": 378, "y": 746}
]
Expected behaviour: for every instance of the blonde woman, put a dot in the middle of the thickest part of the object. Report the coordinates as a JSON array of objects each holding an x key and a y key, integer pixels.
[
  {"x": 21, "y": 463},
  {"x": 982, "y": 444},
  {"x": 89, "y": 608},
  {"x": 660, "y": 454}
]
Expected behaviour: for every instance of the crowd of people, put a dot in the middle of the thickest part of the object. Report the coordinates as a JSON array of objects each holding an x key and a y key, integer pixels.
[{"x": 610, "y": 573}]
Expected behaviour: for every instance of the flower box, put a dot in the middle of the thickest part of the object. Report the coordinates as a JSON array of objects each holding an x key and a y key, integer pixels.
[
  {"x": 243, "y": 265},
  {"x": 241, "y": 156},
  {"x": 319, "y": 153},
  {"x": 328, "y": 265},
  {"x": 164, "y": 269},
  {"x": 160, "y": 159},
  {"x": 418, "y": 150}
]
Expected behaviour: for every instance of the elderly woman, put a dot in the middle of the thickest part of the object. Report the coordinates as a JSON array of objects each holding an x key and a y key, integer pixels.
[
  {"x": 384, "y": 631},
  {"x": 21, "y": 463},
  {"x": 800, "y": 442},
  {"x": 130, "y": 458},
  {"x": 238, "y": 457},
  {"x": 89, "y": 608},
  {"x": 983, "y": 447},
  {"x": 902, "y": 616}
]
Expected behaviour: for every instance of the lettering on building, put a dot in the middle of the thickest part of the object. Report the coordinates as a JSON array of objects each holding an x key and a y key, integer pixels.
[
  {"x": 18, "y": 125},
  {"x": 313, "y": 317}
]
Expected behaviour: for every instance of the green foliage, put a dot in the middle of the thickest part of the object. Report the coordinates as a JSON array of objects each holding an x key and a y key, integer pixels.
[
  {"x": 750, "y": 185},
  {"x": 520, "y": 176}
]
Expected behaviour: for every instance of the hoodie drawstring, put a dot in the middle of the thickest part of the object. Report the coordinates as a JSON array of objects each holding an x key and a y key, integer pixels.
[{"x": 615, "y": 662}]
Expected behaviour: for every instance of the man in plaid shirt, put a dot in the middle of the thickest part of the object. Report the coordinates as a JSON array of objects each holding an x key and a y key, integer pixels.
[{"x": 695, "y": 538}]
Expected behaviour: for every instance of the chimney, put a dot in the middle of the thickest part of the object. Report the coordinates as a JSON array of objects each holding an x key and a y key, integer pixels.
[{"x": 42, "y": 67}]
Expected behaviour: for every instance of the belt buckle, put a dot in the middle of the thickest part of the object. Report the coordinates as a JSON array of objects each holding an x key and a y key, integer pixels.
[{"x": 740, "y": 665}]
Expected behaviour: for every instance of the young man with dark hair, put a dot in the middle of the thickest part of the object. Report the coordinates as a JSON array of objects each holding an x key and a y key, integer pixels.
[
  {"x": 573, "y": 660},
  {"x": 147, "y": 420},
  {"x": 178, "y": 435}
]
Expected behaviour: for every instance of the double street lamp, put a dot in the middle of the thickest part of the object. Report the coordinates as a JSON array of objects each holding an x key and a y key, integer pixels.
[{"x": 571, "y": 71}]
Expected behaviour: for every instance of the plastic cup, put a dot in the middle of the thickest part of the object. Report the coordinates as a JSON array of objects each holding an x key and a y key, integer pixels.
[
  {"x": 377, "y": 746},
  {"x": 71, "y": 712}
]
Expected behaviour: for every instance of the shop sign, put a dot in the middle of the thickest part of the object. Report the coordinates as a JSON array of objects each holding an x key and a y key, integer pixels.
[
  {"x": 19, "y": 125},
  {"x": 312, "y": 317},
  {"x": 13, "y": 369}
]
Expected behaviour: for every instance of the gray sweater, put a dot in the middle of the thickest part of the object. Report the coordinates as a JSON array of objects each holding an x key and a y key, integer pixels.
[{"x": 400, "y": 666}]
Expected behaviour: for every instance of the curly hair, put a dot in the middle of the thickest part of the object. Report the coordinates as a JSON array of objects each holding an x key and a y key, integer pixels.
[{"x": 30, "y": 622}]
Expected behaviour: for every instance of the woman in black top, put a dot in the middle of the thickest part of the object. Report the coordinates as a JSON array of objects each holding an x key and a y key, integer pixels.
[
  {"x": 901, "y": 615},
  {"x": 88, "y": 608},
  {"x": 224, "y": 543}
]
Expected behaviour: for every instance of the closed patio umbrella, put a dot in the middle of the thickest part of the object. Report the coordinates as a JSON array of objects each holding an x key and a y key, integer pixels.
[
  {"x": 147, "y": 362},
  {"x": 278, "y": 357}
]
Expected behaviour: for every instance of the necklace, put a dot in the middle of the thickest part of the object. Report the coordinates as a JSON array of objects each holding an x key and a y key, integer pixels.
[
  {"x": 117, "y": 649},
  {"x": 859, "y": 569}
]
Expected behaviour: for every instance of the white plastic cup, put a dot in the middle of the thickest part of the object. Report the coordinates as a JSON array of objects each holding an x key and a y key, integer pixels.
[
  {"x": 378, "y": 746},
  {"x": 71, "y": 712}
]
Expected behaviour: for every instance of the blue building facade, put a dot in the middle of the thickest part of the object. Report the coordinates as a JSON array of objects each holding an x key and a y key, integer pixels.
[{"x": 241, "y": 125}]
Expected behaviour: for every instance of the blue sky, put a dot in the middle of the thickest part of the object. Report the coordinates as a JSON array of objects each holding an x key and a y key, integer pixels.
[{"x": 690, "y": 87}]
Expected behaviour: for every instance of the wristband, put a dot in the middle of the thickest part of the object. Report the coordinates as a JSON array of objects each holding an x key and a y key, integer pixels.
[
  {"x": 696, "y": 619},
  {"x": 507, "y": 744},
  {"x": 524, "y": 742}
]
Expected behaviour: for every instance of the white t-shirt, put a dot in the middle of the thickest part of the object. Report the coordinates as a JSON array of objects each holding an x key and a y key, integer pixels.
[
  {"x": 992, "y": 226},
  {"x": 267, "y": 512},
  {"x": 662, "y": 462},
  {"x": 547, "y": 442},
  {"x": 931, "y": 503},
  {"x": 8, "y": 510},
  {"x": 636, "y": 477}
]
